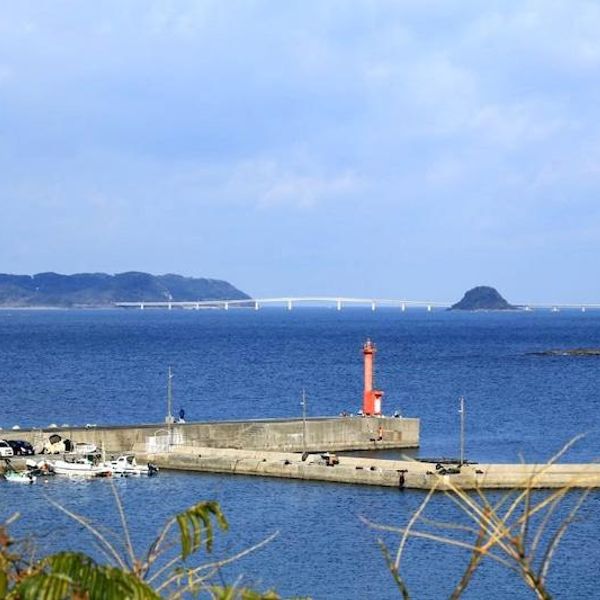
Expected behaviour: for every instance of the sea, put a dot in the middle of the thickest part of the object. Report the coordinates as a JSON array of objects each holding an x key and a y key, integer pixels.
[{"x": 82, "y": 367}]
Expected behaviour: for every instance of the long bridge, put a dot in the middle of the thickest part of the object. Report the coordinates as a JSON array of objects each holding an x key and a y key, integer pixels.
[{"x": 337, "y": 302}]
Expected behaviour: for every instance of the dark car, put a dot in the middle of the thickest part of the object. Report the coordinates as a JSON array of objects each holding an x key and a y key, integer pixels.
[{"x": 21, "y": 447}]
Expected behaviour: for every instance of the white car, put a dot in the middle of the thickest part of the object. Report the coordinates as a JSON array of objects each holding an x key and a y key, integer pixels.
[{"x": 5, "y": 449}]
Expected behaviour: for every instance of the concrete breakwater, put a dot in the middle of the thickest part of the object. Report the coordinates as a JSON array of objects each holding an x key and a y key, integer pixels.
[
  {"x": 372, "y": 471},
  {"x": 283, "y": 435},
  {"x": 275, "y": 447}
]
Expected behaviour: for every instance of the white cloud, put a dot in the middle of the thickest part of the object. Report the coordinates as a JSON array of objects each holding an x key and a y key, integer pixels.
[
  {"x": 515, "y": 124},
  {"x": 269, "y": 184},
  {"x": 444, "y": 120},
  {"x": 564, "y": 33}
]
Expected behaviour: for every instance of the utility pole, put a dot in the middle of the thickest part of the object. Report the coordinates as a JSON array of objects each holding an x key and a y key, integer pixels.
[
  {"x": 303, "y": 403},
  {"x": 461, "y": 411},
  {"x": 169, "y": 418}
]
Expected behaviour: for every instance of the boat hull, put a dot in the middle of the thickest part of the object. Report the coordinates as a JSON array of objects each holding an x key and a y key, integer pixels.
[{"x": 22, "y": 477}]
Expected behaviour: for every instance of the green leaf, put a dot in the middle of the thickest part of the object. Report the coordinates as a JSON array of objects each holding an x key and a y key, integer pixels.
[
  {"x": 68, "y": 573},
  {"x": 3, "y": 584},
  {"x": 196, "y": 526}
]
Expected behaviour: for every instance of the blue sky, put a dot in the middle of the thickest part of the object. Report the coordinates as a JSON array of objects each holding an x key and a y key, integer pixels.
[{"x": 372, "y": 148}]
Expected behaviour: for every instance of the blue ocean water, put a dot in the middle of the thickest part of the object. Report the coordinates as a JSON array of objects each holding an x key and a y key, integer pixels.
[{"x": 110, "y": 366}]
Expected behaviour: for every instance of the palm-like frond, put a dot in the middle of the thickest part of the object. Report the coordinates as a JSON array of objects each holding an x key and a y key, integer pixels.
[
  {"x": 72, "y": 574},
  {"x": 195, "y": 526}
]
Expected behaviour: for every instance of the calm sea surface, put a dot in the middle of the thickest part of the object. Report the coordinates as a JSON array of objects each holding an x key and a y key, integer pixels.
[{"x": 107, "y": 367}]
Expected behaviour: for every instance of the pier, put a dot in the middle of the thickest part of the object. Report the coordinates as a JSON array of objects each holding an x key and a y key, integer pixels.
[
  {"x": 334, "y": 434},
  {"x": 401, "y": 474},
  {"x": 292, "y": 449}
]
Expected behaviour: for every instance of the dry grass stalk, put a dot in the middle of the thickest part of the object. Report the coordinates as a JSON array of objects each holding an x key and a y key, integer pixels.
[{"x": 502, "y": 529}]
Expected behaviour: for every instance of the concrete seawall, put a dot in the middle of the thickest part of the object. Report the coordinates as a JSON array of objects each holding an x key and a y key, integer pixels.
[
  {"x": 321, "y": 434},
  {"x": 380, "y": 472},
  {"x": 274, "y": 448}
]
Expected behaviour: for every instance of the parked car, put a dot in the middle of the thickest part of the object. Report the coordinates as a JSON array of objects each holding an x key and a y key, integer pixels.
[
  {"x": 21, "y": 447},
  {"x": 5, "y": 449}
]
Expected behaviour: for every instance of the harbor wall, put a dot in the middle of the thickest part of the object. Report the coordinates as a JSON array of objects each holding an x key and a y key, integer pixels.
[
  {"x": 374, "y": 471},
  {"x": 290, "y": 435}
]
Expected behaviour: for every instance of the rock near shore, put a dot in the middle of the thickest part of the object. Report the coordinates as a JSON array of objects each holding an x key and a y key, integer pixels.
[{"x": 568, "y": 352}]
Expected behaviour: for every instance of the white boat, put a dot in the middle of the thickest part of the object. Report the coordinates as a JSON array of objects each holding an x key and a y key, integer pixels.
[
  {"x": 126, "y": 465},
  {"x": 89, "y": 465},
  {"x": 19, "y": 477},
  {"x": 43, "y": 468}
]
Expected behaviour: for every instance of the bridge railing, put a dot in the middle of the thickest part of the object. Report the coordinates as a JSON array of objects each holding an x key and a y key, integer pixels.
[{"x": 338, "y": 302}]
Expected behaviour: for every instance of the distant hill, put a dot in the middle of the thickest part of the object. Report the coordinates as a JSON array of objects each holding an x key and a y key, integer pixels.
[
  {"x": 101, "y": 289},
  {"x": 483, "y": 297}
]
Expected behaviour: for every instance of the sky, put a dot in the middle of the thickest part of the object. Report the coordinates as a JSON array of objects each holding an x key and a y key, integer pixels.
[{"x": 393, "y": 149}]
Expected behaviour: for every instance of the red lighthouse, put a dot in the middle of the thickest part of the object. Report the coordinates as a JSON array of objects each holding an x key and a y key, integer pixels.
[{"x": 371, "y": 397}]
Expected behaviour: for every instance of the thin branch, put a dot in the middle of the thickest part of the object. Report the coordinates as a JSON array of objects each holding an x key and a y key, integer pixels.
[
  {"x": 442, "y": 539},
  {"x": 127, "y": 537},
  {"x": 411, "y": 522},
  {"x": 82, "y": 521},
  {"x": 476, "y": 557},
  {"x": 494, "y": 526},
  {"x": 522, "y": 539},
  {"x": 14, "y": 517},
  {"x": 558, "y": 536},
  {"x": 155, "y": 549},
  {"x": 171, "y": 563},
  {"x": 544, "y": 523},
  {"x": 444, "y": 525},
  {"x": 544, "y": 468},
  {"x": 393, "y": 569},
  {"x": 213, "y": 565}
]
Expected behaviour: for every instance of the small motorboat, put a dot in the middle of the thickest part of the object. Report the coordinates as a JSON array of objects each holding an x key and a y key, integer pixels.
[
  {"x": 20, "y": 477},
  {"x": 39, "y": 469},
  {"x": 89, "y": 466},
  {"x": 14, "y": 476},
  {"x": 126, "y": 465}
]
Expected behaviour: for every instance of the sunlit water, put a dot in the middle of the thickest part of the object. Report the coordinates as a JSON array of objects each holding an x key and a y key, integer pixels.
[{"x": 80, "y": 367}]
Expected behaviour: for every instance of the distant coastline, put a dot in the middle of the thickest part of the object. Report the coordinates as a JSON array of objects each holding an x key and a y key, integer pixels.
[{"x": 45, "y": 291}]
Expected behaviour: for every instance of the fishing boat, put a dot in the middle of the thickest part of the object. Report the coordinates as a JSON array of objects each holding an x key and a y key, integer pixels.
[
  {"x": 42, "y": 468},
  {"x": 126, "y": 465},
  {"x": 89, "y": 465}
]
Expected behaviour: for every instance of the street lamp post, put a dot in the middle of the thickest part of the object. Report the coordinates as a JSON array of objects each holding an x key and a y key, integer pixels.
[
  {"x": 169, "y": 418},
  {"x": 303, "y": 403},
  {"x": 461, "y": 411}
]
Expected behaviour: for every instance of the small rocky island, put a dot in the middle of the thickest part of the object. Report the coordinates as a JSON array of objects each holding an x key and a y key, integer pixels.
[
  {"x": 96, "y": 290},
  {"x": 483, "y": 297},
  {"x": 568, "y": 352}
]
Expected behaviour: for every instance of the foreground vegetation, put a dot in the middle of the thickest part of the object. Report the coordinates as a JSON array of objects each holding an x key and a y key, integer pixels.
[
  {"x": 164, "y": 571},
  {"x": 521, "y": 531}
]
